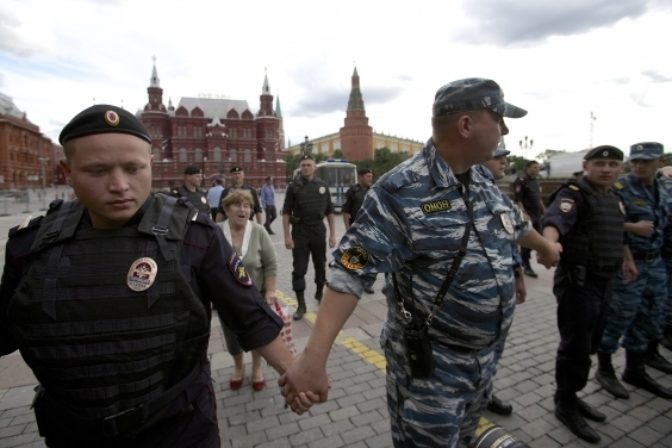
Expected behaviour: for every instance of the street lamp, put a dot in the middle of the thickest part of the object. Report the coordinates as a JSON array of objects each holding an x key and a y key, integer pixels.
[
  {"x": 307, "y": 147},
  {"x": 43, "y": 164},
  {"x": 525, "y": 144}
]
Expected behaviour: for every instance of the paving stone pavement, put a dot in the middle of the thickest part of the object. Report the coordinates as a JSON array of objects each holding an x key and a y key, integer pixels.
[{"x": 355, "y": 414}]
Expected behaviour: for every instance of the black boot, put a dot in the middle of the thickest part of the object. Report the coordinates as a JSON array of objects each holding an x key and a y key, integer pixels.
[
  {"x": 301, "y": 310},
  {"x": 567, "y": 411},
  {"x": 499, "y": 406},
  {"x": 635, "y": 374},
  {"x": 667, "y": 338},
  {"x": 318, "y": 293},
  {"x": 606, "y": 376},
  {"x": 655, "y": 360}
]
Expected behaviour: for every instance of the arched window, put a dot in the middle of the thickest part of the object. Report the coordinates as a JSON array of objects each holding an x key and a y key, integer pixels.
[
  {"x": 217, "y": 154},
  {"x": 156, "y": 152},
  {"x": 183, "y": 154},
  {"x": 233, "y": 155},
  {"x": 198, "y": 155},
  {"x": 247, "y": 156}
]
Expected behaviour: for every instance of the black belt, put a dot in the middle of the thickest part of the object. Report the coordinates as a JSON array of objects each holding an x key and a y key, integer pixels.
[{"x": 645, "y": 256}]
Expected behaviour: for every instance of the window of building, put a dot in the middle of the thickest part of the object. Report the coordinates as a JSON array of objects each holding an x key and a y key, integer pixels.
[
  {"x": 233, "y": 133},
  {"x": 182, "y": 154},
  {"x": 233, "y": 155},
  {"x": 181, "y": 131},
  {"x": 247, "y": 155},
  {"x": 217, "y": 154},
  {"x": 156, "y": 152},
  {"x": 198, "y": 132},
  {"x": 198, "y": 155}
]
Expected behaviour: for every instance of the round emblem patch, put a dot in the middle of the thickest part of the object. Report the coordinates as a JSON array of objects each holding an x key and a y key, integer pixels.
[
  {"x": 322, "y": 190},
  {"x": 506, "y": 222},
  {"x": 354, "y": 258},
  {"x": 203, "y": 200},
  {"x": 112, "y": 118},
  {"x": 238, "y": 270},
  {"x": 142, "y": 274},
  {"x": 566, "y": 205}
]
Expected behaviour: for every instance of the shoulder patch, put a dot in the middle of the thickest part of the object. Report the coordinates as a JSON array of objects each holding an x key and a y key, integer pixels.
[
  {"x": 354, "y": 258},
  {"x": 566, "y": 205},
  {"x": 619, "y": 185},
  {"x": 25, "y": 226},
  {"x": 238, "y": 271}
]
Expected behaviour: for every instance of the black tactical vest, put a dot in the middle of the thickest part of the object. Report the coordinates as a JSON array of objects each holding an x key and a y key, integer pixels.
[
  {"x": 596, "y": 241},
  {"x": 311, "y": 201},
  {"x": 99, "y": 348}
]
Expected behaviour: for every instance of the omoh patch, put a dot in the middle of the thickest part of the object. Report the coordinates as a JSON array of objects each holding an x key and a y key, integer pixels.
[{"x": 141, "y": 274}]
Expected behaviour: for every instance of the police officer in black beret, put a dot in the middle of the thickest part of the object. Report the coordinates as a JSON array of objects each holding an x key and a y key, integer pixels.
[
  {"x": 191, "y": 189},
  {"x": 238, "y": 182},
  {"x": 307, "y": 202},
  {"x": 108, "y": 299},
  {"x": 587, "y": 217}
]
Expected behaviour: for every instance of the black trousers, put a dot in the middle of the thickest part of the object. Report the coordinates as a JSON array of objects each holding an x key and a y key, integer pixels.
[
  {"x": 582, "y": 312},
  {"x": 309, "y": 240},
  {"x": 271, "y": 214}
]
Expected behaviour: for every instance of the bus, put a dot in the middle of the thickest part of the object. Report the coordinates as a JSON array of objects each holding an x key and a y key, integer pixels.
[{"x": 339, "y": 175}]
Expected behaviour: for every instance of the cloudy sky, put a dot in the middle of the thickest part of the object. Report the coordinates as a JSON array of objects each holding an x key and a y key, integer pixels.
[{"x": 561, "y": 61}]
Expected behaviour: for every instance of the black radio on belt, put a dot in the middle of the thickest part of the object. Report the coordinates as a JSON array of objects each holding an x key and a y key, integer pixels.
[{"x": 419, "y": 350}]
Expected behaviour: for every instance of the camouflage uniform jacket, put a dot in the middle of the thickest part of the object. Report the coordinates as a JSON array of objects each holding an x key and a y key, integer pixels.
[{"x": 412, "y": 223}]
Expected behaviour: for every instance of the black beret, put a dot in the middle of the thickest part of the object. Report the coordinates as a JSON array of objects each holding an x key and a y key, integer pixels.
[
  {"x": 604, "y": 152},
  {"x": 364, "y": 171},
  {"x": 192, "y": 170},
  {"x": 236, "y": 169},
  {"x": 473, "y": 94},
  {"x": 100, "y": 119}
]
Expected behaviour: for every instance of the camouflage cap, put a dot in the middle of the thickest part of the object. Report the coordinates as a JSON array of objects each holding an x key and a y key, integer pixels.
[
  {"x": 646, "y": 151},
  {"x": 100, "y": 119},
  {"x": 604, "y": 152},
  {"x": 473, "y": 94},
  {"x": 501, "y": 152}
]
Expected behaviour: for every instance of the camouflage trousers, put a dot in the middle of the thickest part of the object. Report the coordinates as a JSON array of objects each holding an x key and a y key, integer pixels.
[
  {"x": 635, "y": 309},
  {"x": 444, "y": 409}
]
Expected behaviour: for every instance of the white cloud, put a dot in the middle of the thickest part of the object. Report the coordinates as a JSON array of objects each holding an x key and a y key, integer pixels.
[{"x": 560, "y": 61}]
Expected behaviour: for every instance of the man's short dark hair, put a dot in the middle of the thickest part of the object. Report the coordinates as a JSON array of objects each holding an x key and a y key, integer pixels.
[{"x": 530, "y": 163}]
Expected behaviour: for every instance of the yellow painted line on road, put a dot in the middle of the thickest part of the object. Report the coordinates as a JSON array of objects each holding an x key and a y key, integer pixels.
[{"x": 369, "y": 355}]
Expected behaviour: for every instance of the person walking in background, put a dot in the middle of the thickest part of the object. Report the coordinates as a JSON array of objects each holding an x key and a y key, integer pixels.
[
  {"x": 267, "y": 198},
  {"x": 586, "y": 216},
  {"x": 444, "y": 236},
  {"x": 355, "y": 196},
  {"x": 635, "y": 308},
  {"x": 191, "y": 189},
  {"x": 214, "y": 193},
  {"x": 238, "y": 182},
  {"x": 496, "y": 167},
  {"x": 527, "y": 193},
  {"x": 108, "y": 299},
  {"x": 307, "y": 203},
  {"x": 254, "y": 247}
]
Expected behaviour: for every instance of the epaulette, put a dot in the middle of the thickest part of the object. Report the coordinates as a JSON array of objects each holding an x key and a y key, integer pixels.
[
  {"x": 619, "y": 185},
  {"x": 25, "y": 226},
  {"x": 574, "y": 187}
]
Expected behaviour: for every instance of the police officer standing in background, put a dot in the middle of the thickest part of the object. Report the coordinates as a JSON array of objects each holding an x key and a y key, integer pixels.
[
  {"x": 496, "y": 168},
  {"x": 587, "y": 218},
  {"x": 191, "y": 189},
  {"x": 108, "y": 299},
  {"x": 355, "y": 196},
  {"x": 238, "y": 182},
  {"x": 307, "y": 202},
  {"x": 636, "y": 307},
  {"x": 527, "y": 193}
]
